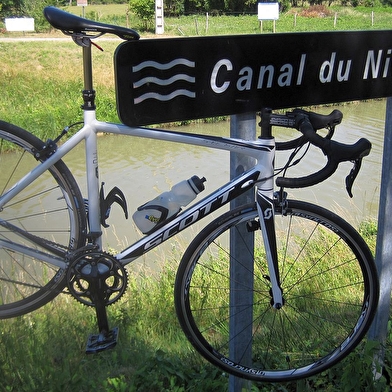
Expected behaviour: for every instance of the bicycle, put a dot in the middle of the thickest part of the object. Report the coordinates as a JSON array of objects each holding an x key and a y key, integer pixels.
[{"x": 294, "y": 296}]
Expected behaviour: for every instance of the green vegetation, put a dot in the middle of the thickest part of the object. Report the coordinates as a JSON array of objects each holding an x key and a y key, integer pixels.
[
  {"x": 44, "y": 351},
  {"x": 41, "y": 84},
  {"x": 145, "y": 8},
  {"x": 295, "y": 19},
  {"x": 312, "y": 15}
]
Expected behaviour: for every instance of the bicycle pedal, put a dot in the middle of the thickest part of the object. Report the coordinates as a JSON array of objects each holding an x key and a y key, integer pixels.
[{"x": 100, "y": 342}]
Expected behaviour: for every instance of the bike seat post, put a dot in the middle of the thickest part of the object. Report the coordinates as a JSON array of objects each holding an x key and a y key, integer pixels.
[
  {"x": 266, "y": 128},
  {"x": 88, "y": 92}
]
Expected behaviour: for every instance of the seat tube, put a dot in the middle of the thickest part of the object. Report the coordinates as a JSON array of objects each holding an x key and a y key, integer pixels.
[
  {"x": 92, "y": 171},
  {"x": 92, "y": 174}
]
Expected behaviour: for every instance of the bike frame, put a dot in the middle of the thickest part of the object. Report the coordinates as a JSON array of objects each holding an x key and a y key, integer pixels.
[{"x": 259, "y": 176}]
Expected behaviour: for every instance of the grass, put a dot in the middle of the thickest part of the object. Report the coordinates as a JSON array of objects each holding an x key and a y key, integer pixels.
[
  {"x": 319, "y": 18},
  {"x": 44, "y": 350},
  {"x": 42, "y": 81}
]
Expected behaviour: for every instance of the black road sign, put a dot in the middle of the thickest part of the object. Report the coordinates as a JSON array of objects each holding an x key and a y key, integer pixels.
[{"x": 174, "y": 79}]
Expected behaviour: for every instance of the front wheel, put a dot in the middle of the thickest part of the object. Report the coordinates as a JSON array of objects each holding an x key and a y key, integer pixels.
[{"x": 330, "y": 292}]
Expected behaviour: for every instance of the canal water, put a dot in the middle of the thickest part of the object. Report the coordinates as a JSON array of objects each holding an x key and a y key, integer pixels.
[{"x": 143, "y": 168}]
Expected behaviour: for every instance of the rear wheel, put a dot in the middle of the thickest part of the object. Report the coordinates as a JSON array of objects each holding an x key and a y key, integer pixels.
[
  {"x": 330, "y": 293},
  {"x": 48, "y": 216}
]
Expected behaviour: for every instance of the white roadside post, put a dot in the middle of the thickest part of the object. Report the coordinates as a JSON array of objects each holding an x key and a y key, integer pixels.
[{"x": 159, "y": 24}]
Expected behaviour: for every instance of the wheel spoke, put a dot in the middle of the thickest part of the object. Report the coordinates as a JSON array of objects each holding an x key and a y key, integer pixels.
[
  {"x": 37, "y": 227},
  {"x": 329, "y": 284}
]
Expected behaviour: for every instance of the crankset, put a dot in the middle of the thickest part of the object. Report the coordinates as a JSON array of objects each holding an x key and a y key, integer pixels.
[{"x": 98, "y": 279}]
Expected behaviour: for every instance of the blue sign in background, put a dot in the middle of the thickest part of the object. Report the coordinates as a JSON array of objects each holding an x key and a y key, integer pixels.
[{"x": 163, "y": 80}]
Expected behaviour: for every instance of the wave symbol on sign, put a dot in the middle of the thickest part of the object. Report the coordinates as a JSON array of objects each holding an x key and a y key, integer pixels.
[{"x": 168, "y": 82}]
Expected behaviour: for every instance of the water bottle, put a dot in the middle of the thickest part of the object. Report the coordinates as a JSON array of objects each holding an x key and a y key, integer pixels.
[{"x": 168, "y": 204}]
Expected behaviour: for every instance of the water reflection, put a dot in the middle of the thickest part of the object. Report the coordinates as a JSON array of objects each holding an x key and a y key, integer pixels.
[{"x": 144, "y": 168}]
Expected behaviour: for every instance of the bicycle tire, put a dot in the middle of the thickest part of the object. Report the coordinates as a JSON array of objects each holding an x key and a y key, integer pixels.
[
  {"x": 51, "y": 209},
  {"x": 330, "y": 293}
]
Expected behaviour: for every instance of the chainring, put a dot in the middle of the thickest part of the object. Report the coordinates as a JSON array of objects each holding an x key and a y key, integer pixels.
[{"x": 95, "y": 273}]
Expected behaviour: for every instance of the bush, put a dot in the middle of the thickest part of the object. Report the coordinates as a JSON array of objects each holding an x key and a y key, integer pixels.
[
  {"x": 145, "y": 10},
  {"x": 316, "y": 11}
]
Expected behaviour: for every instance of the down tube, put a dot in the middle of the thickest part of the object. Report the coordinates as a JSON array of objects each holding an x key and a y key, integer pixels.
[{"x": 192, "y": 215}]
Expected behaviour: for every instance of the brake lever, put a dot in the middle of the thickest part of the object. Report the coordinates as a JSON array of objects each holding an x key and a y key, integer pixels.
[
  {"x": 331, "y": 131},
  {"x": 353, "y": 175}
]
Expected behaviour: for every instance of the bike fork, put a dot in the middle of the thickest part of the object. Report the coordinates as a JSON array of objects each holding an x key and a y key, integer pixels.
[{"x": 265, "y": 206}]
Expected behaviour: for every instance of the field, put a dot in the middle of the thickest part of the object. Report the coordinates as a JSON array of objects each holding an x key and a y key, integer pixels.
[
  {"x": 35, "y": 74},
  {"x": 316, "y": 18}
]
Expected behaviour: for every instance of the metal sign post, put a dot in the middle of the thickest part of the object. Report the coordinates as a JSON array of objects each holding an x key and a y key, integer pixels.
[
  {"x": 379, "y": 328},
  {"x": 242, "y": 126},
  {"x": 82, "y": 3}
]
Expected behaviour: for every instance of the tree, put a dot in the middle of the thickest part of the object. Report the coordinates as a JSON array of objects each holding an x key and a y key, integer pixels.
[
  {"x": 34, "y": 9},
  {"x": 174, "y": 7},
  {"x": 145, "y": 10},
  {"x": 11, "y": 7}
]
